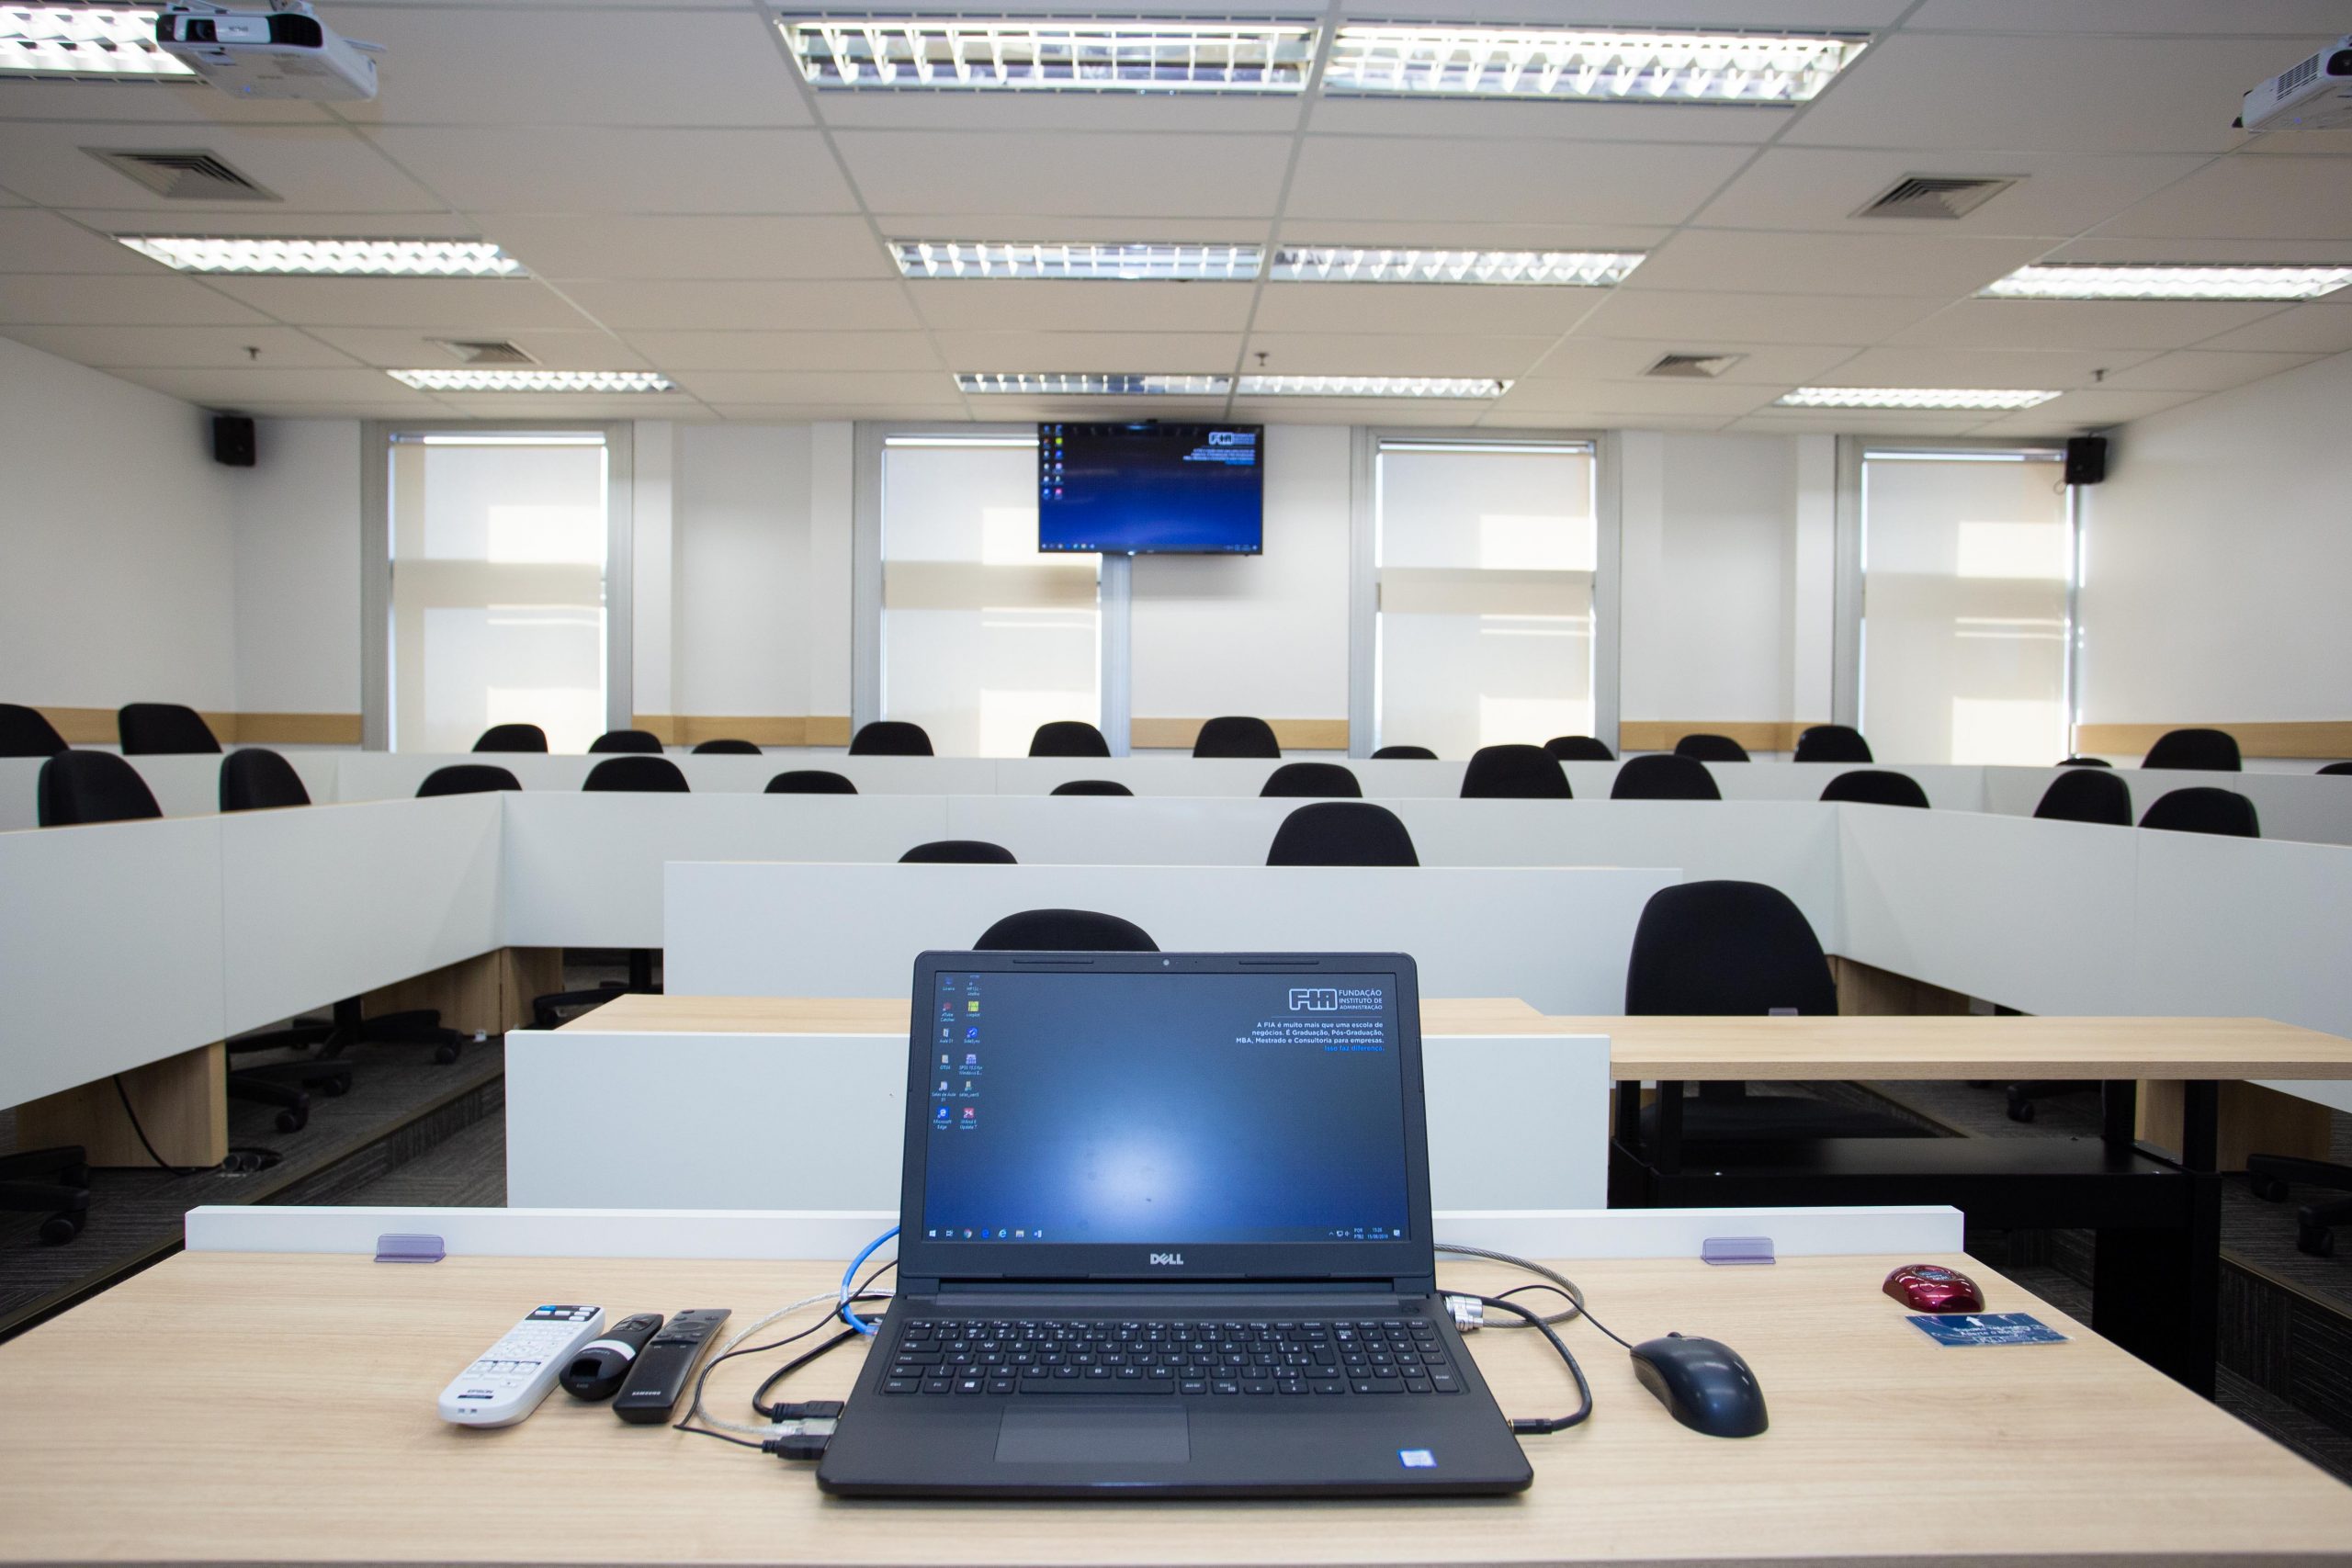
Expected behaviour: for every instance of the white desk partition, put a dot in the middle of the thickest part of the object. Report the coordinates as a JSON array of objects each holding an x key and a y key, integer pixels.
[
  {"x": 2301, "y": 805},
  {"x": 183, "y": 785},
  {"x": 388, "y": 776},
  {"x": 1556, "y": 937},
  {"x": 817, "y": 1120}
]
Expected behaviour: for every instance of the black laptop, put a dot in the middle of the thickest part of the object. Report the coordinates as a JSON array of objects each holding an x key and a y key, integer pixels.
[{"x": 1165, "y": 1232}]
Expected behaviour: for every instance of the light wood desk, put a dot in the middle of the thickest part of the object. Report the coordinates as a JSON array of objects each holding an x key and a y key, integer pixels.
[{"x": 241, "y": 1407}]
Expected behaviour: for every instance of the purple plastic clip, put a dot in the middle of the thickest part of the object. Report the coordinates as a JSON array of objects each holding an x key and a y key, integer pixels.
[
  {"x": 391, "y": 1249},
  {"x": 1728, "y": 1251}
]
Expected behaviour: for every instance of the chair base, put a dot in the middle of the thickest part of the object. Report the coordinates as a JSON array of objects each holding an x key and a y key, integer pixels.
[
  {"x": 545, "y": 1010},
  {"x": 348, "y": 1026},
  {"x": 2314, "y": 1222},
  {"x": 55, "y": 1179}
]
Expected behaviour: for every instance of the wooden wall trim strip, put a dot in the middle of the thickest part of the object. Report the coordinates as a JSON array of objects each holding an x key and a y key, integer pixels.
[
  {"x": 2328, "y": 739},
  {"x": 1756, "y": 735},
  {"x": 1292, "y": 734},
  {"x": 760, "y": 729},
  {"x": 95, "y": 727}
]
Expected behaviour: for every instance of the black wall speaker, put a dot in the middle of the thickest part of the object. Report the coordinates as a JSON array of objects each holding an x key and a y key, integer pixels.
[
  {"x": 2086, "y": 459},
  {"x": 233, "y": 442}
]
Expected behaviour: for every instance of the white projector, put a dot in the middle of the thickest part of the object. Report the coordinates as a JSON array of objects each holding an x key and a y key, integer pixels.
[
  {"x": 283, "y": 52},
  {"x": 2313, "y": 94}
]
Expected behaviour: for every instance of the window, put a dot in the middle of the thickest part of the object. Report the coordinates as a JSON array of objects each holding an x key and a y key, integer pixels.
[
  {"x": 1968, "y": 565},
  {"x": 1484, "y": 556}
]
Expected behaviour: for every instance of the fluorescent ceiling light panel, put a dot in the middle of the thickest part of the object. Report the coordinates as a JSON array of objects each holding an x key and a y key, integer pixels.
[
  {"x": 1343, "y": 264},
  {"x": 1079, "y": 259},
  {"x": 1371, "y": 387},
  {"x": 480, "y": 381},
  {"x": 1910, "y": 398},
  {"x": 329, "y": 258},
  {"x": 1603, "y": 64},
  {"x": 1136, "y": 54},
  {"x": 2092, "y": 281},
  {"x": 1084, "y": 384},
  {"x": 77, "y": 41}
]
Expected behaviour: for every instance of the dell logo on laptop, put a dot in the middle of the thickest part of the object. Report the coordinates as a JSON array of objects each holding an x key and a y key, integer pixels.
[{"x": 1168, "y": 1261}]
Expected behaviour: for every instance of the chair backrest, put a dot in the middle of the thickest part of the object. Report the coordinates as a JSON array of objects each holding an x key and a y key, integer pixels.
[
  {"x": 2205, "y": 810},
  {"x": 467, "y": 778},
  {"x": 1342, "y": 832},
  {"x": 2087, "y": 794},
  {"x": 726, "y": 749},
  {"x": 1661, "y": 775},
  {"x": 1726, "y": 948},
  {"x": 1578, "y": 749},
  {"x": 163, "y": 730},
  {"x": 1513, "y": 773},
  {"x": 810, "y": 780},
  {"x": 1404, "y": 754},
  {"x": 1832, "y": 743},
  {"x": 2086, "y": 762},
  {"x": 256, "y": 779},
  {"x": 2214, "y": 751},
  {"x": 636, "y": 775},
  {"x": 1876, "y": 786},
  {"x": 1065, "y": 930},
  {"x": 1705, "y": 747},
  {"x": 2337, "y": 768},
  {"x": 890, "y": 738},
  {"x": 958, "y": 852},
  {"x": 1237, "y": 735},
  {"x": 1328, "y": 780},
  {"x": 1092, "y": 786},
  {"x": 24, "y": 732},
  {"x": 1068, "y": 738},
  {"x": 626, "y": 741},
  {"x": 513, "y": 738},
  {"x": 92, "y": 786}
]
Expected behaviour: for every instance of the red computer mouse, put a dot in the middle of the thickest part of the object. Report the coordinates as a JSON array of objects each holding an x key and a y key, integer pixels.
[{"x": 1930, "y": 1287}]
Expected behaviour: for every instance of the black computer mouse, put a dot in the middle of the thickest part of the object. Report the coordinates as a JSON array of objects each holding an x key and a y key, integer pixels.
[{"x": 1703, "y": 1384}]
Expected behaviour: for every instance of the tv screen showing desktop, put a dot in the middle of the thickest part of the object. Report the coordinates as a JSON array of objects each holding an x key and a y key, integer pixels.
[{"x": 1138, "y": 490}]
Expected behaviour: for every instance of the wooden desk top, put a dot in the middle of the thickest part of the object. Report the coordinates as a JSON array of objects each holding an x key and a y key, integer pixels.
[
  {"x": 887, "y": 1015},
  {"x": 225, "y": 1407}
]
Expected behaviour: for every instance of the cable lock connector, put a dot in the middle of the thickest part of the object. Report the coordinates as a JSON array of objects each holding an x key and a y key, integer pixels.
[{"x": 1469, "y": 1313}]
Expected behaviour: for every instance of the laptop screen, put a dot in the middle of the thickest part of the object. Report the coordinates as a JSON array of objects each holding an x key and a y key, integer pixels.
[{"x": 1163, "y": 1108}]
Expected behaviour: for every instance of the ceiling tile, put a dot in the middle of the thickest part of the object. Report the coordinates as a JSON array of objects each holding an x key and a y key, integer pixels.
[
  {"x": 475, "y": 305},
  {"x": 159, "y": 103},
  {"x": 795, "y": 413},
  {"x": 1371, "y": 115},
  {"x": 1751, "y": 317},
  {"x": 1190, "y": 353},
  {"x": 54, "y": 298},
  {"x": 1366, "y": 354},
  {"x": 1693, "y": 398},
  {"x": 1105, "y": 175},
  {"x": 1834, "y": 15},
  {"x": 157, "y": 346},
  {"x": 690, "y": 305},
  {"x": 1766, "y": 263},
  {"x": 2078, "y": 323},
  {"x": 2051, "y": 369},
  {"x": 2250, "y": 198},
  {"x": 603, "y": 169},
  {"x": 878, "y": 389},
  {"x": 1088, "y": 114},
  {"x": 234, "y": 386},
  {"x": 1438, "y": 181},
  {"x": 1011, "y": 226},
  {"x": 569, "y": 246},
  {"x": 2197, "y": 370},
  {"x": 1856, "y": 422},
  {"x": 1615, "y": 359},
  {"x": 407, "y": 348},
  {"x": 2093, "y": 409},
  {"x": 2321, "y": 327},
  {"x": 1465, "y": 234},
  {"x": 314, "y": 168},
  {"x": 2288, "y": 18},
  {"x": 1820, "y": 188},
  {"x": 1046, "y": 305},
  {"x": 33, "y": 241},
  {"x": 2117, "y": 248},
  {"x": 265, "y": 219},
  {"x": 1449, "y": 309},
  {"x": 574, "y": 405},
  {"x": 1450, "y": 413},
  {"x": 676, "y": 351}
]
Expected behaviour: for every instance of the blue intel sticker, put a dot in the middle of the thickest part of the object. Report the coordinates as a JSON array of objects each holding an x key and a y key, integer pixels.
[
  {"x": 1986, "y": 1328},
  {"x": 1416, "y": 1458}
]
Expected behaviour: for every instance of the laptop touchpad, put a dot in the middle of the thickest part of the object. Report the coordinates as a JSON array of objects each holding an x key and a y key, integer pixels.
[{"x": 1094, "y": 1436}]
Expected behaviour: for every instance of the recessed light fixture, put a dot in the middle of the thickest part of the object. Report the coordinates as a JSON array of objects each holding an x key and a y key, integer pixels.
[
  {"x": 1052, "y": 383},
  {"x": 1047, "y": 54},
  {"x": 1911, "y": 398},
  {"x": 83, "y": 40},
  {"x": 2073, "y": 280},
  {"x": 1345, "y": 263},
  {"x": 1606, "y": 65},
  {"x": 1076, "y": 259},
  {"x": 327, "y": 258},
  {"x": 1371, "y": 387},
  {"x": 481, "y": 380}
]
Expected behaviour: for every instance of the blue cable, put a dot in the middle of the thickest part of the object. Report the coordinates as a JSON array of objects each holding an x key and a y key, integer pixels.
[{"x": 848, "y": 1283}]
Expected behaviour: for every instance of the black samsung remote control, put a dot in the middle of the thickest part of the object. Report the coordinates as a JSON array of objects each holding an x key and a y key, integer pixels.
[
  {"x": 597, "y": 1370},
  {"x": 666, "y": 1366}
]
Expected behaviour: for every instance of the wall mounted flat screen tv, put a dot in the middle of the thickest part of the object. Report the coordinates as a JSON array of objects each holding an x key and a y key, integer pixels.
[{"x": 1140, "y": 490}]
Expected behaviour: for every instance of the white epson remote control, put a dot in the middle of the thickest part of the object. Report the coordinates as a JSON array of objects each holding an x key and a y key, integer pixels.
[{"x": 509, "y": 1379}]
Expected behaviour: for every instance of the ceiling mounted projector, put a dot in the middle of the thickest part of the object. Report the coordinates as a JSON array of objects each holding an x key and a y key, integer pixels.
[
  {"x": 282, "y": 53},
  {"x": 2311, "y": 95}
]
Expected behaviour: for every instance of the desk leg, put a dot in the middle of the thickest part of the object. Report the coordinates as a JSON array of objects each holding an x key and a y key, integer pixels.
[
  {"x": 1665, "y": 1151},
  {"x": 2157, "y": 1293},
  {"x": 182, "y": 1102},
  {"x": 2118, "y": 1110}
]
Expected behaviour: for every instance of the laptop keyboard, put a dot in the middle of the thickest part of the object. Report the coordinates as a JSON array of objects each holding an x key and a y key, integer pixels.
[{"x": 1242, "y": 1359}]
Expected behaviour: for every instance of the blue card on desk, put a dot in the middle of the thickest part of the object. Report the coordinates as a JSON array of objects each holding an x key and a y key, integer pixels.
[{"x": 1986, "y": 1328}]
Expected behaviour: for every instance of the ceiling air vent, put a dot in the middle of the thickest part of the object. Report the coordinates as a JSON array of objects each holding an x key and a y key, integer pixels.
[
  {"x": 195, "y": 175},
  {"x": 475, "y": 352},
  {"x": 1694, "y": 367},
  {"x": 1936, "y": 196}
]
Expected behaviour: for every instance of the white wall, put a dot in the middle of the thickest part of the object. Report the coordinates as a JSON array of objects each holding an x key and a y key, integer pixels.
[
  {"x": 740, "y": 586},
  {"x": 295, "y": 523}
]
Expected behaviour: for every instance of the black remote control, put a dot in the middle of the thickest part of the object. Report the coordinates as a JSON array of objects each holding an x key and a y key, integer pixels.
[
  {"x": 598, "y": 1368},
  {"x": 660, "y": 1375}
]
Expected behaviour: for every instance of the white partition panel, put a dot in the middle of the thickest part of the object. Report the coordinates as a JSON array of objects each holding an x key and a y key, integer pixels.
[
  {"x": 1169, "y": 773},
  {"x": 1114, "y": 830},
  {"x": 183, "y": 785},
  {"x": 1556, "y": 937},
  {"x": 2302, "y": 805},
  {"x": 19, "y": 792}
]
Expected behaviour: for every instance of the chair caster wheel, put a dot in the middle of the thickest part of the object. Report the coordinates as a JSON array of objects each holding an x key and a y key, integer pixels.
[
  {"x": 292, "y": 1121},
  {"x": 60, "y": 1228},
  {"x": 447, "y": 1053},
  {"x": 2270, "y": 1188},
  {"x": 2021, "y": 1110},
  {"x": 2316, "y": 1241},
  {"x": 76, "y": 1176},
  {"x": 335, "y": 1089}
]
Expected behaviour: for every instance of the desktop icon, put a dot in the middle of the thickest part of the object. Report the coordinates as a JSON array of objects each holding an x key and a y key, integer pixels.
[
  {"x": 971, "y": 1112},
  {"x": 972, "y": 1033},
  {"x": 943, "y": 1113},
  {"x": 971, "y": 1060}
]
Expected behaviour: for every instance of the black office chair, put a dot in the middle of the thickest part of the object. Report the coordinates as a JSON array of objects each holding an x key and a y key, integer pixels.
[
  {"x": 1578, "y": 749},
  {"x": 810, "y": 780},
  {"x": 1832, "y": 743},
  {"x": 1341, "y": 832},
  {"x": 2204, "y": 810},
  {"x": 1705, "y": 747},
  {"x": 726, "y": 749},
  {"x": 1237, "y": 735},
  {"x": 1327, "y": 780},
  {"x": 1661, "y": 775},
  {"x": 465, "y": 778},
  {"x": 258, "y": 779},
  {"x": 2086, "y": 794},
  {"x": 513, "y": 738},
  {"x": 1513, "y": 773},
  {"x": 958, "y": 852},
  {"x": 2213, "y": 750},
  {"x": 1064, "y": 930},
  {"x": 164, "y": 730},
  {"x": 890, "y": 738},
  {"x": 636, "y": 774},
  {"x": 1404, "y": 754},
  {"x": 1090, "y": 786},
  {"x": 1876, "y": 786},
  {"x": 2086, "y": 762},
  {"x": 1068, "y": 738},
  {"x": 2314, "y": 1222},
  {"x": 2337, "y": 767},
  {"x": 631, "y": 741},
  {"x": 1724, "y": 949},
  {"x": 630, "y": 775},
  {"x": 24, "y": 732}
]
